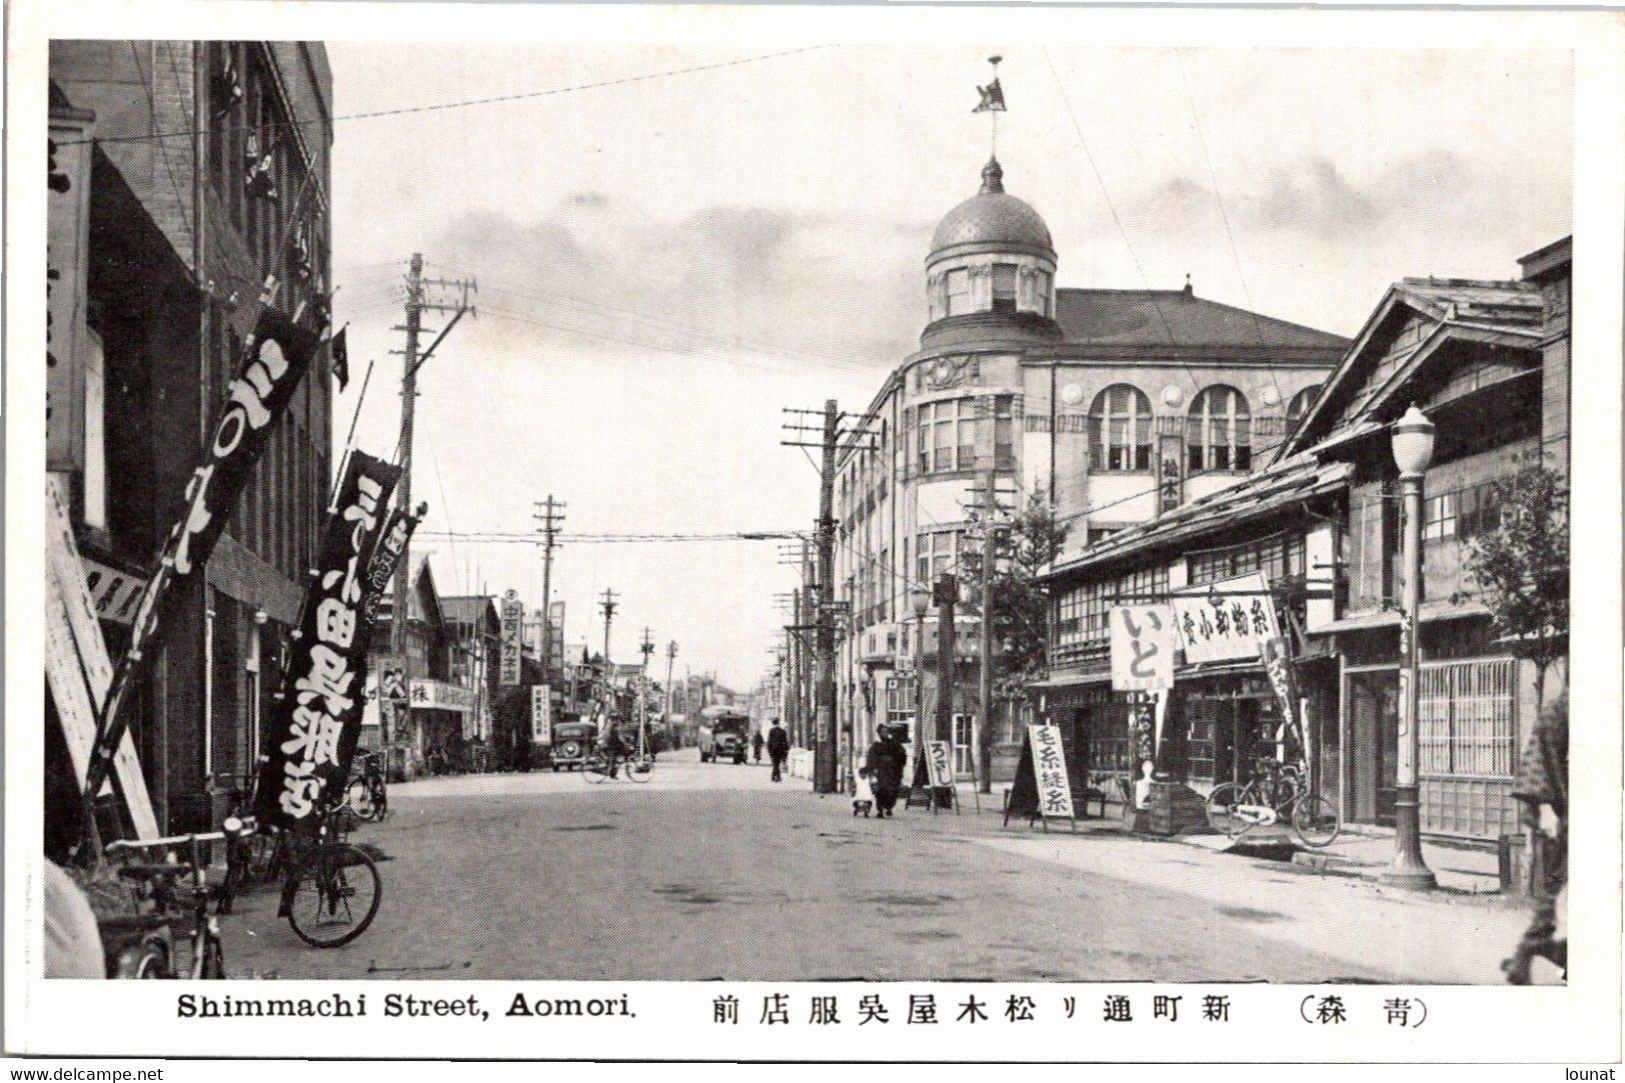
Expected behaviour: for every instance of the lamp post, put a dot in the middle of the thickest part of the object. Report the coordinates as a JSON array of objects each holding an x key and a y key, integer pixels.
[
  {"x": 1413, "y": 451},
  {"x": 920, "y": 598}
]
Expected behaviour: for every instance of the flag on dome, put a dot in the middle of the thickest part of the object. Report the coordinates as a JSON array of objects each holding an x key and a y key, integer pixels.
[{"x": 992, "y": 98}]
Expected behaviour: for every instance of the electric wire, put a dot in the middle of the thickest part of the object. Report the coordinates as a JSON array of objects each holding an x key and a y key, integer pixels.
[{"x": 467, "y": 102}]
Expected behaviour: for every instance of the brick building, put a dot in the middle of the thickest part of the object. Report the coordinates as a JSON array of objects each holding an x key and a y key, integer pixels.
[{"x": 207, "y": 169}]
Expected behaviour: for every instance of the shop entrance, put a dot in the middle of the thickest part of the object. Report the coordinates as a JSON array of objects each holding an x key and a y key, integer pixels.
[{"x": 1373, "y": 745}]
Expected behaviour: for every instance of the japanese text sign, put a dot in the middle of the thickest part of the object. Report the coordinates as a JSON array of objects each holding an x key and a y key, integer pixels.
[
  {"x": 1142, "y": 641},
  {"x": 1049, "y": 768},
  {"x": 541, "y": 714},
  {"x": 939, "y": 763},
  {"x": 313, "y": 730},
  {"x": 1225, "y": 621},
  {"x": 513, "y": 625}
]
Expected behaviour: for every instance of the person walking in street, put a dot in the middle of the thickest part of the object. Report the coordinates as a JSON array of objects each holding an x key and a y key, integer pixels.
[
  {"x": 1543, "y": 791},
  {"x": 778, "y": 749},
  {"x": 756, "y": 745},
  {"x": 885, "y": 763}
]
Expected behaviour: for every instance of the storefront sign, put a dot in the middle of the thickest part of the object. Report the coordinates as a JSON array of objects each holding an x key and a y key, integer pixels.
[
  {"x": 115, "y": 593},
  {"x": 1049, "y": 768},
  {"x": 513, "y": 631},
  {"x": 67, "y": 233},
  {"x": 541, "y": 714},
  {"x": 1142, "y": 647},
  {"x": 273, "y": 364},
  {"x": 1278, "y": 665},
  {"x": 1224, "y": 621},
  {"x": 316, "y": 722},
  {"x": 440, "y": 696},
  {"x": 939, "y": 763}
]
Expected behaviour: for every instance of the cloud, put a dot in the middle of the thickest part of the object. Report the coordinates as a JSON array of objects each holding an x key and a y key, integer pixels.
[{"x": 1311, "y": 196}]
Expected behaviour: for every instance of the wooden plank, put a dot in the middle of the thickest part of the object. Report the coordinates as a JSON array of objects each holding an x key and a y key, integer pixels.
[{"x": 77, "y": 665}]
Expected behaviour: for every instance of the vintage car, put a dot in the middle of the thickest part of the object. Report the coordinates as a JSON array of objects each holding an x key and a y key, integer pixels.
[
  {"x": 573, "y": 742},
  {"x": 724, "y": 734}
]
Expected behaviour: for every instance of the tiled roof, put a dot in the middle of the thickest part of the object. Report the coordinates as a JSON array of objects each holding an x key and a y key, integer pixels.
[
  {"x": 1507, "y": 305},
  {"x": 1284, "y": 484},
  {"x": 1176, "y": 318}
]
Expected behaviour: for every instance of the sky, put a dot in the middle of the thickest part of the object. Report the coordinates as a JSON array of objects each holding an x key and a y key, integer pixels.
[{"x": 666, "y": 264}]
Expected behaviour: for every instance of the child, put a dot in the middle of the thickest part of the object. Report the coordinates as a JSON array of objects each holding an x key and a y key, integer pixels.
[{"x": 864, "y": 800}]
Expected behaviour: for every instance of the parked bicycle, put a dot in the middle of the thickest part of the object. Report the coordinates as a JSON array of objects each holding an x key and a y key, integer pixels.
[
  {"x": 368, "y": 793},
  {"x": 332, "y": 889},
  {"x": 151, "y": 956},
  {"x": 1277, "y": 793}
]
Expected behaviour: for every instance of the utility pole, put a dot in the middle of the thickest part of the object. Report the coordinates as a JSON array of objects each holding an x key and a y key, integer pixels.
[
  {"x": 947, "y": 589},
  {"x": 671, "y": 658},
  {"x": 417, "y": 302},
  {"x": 549, "y": 517},
  {"x": 608, "y": 603},
  {"x": 984, "y": 726}
]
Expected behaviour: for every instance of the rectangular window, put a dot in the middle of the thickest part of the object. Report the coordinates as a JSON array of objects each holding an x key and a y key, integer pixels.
[
  {"x": 958, "y": 292},
  {"x": 1041, "y": 285},
  {"x": 1004, "y": 432},
  {"x": 1468, "y": 719},
  {"x": 1004, "y": 287},
  {"x": 1439, "y": 517},
  {"x": 967, "y": 435}
]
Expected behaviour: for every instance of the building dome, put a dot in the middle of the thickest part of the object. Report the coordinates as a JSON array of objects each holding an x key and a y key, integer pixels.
[{"x": 993, "y": 219}]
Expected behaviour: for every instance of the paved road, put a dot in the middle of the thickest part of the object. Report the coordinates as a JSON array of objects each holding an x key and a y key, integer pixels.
[{"x": 712, "y": 871}]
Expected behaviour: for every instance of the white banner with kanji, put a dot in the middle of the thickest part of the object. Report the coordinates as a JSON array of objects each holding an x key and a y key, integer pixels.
[
  {"x": 1142, "y": 647},
  {"x": 1223, "y": 621},
  {"x": 1049, "y": 769}
]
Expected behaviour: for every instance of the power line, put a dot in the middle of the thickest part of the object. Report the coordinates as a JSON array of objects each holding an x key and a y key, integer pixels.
[{"x": 404, "y": 110}]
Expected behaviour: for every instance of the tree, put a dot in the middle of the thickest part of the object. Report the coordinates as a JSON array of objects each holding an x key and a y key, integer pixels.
[
  {"x": 1023, "y": 549},
  {"x": 1523, "y": 567}
]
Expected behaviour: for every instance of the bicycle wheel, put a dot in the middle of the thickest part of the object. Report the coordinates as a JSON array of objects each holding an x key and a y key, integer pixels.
[
  {"x": 1315, "y": 820},
  {"x": 335, "y": 896},
  {"x": 596, "y": 769},
  {"x": 1221, "y": 809},
  {"x": 640, "y": 768},
  {"x": 359, "y": 797}
]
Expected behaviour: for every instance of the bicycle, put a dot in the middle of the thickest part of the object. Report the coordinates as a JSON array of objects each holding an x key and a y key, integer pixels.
[
  {"x": 152, "y": 957},
  {"x": 332, "y": 891},
  {"x": 1277, "y": 792},
  {"x": 368, "y": 793}
]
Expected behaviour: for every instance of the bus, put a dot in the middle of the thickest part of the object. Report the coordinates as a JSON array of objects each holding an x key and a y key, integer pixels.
[{"x": 724, "y": 734}]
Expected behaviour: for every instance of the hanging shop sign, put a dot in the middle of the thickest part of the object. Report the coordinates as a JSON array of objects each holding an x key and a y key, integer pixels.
[
  {"x": 1049, "y": 769},
  {"x": 1226, "y": 620},
  {"x": 939, "y": 763},
  {"x": 274, "y": 362},
  {"x": 1142, "y": 647},
  {"x": 440, "y": 696},
  {"x": 1277, "y": 658},
  {"x": 67, "y": 235},
  {"x": 386, "y": 558},
  {"x": 115, "y": 593},
  {"x": 541, "y": 714},
  {"x": 513, "y": 633},
  {"x": 316, "y": 722}
]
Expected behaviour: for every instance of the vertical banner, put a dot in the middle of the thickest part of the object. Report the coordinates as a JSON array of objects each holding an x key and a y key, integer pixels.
[
  {"x": 386, "y": 558},
  {"x": 67, "y": 236},
  {"x": 1170, "y": 473},
  {"x": 1277, "y": 657},
  {"x": 274, "y": 362},
  {"x": 316, "y": 722},
  {"x": 393, "y": 691},
  {"x": 1049, "y": 768},
  {"x": 513, "y": 632},
  {"x": 541, "y": 714},
  {"x": 1142, "y": 647}
]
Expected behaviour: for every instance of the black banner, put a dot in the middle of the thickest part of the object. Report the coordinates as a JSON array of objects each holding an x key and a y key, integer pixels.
[
  {"x": 274, "y": 362},
  {"x": 387, "y": 557},
  {"x": 317, "y": 719}
]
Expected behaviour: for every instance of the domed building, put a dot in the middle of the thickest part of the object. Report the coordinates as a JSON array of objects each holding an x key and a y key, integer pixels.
[{"x": 1116, "y": 405}]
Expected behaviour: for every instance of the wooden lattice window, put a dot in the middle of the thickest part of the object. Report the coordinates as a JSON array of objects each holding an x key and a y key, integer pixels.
[{"x": 1468, "y": 718}]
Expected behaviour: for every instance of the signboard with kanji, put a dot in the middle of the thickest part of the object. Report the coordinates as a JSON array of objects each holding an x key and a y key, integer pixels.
[
  {"x": 1142, "y": 646},
  {"x": 1224, "y": 621},
  {"x": 541, "y": 714},
  {"x": 513, "y": 632},
  {"x": 1049, "y": 769},
  {"x": 939, "y": 763}
]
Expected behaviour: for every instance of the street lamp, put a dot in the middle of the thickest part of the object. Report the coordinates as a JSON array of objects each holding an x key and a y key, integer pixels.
[{"x": 1413, "y": 451}]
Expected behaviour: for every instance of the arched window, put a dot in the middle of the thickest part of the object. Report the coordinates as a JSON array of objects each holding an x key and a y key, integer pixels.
[
  {"x": 1301, "y": 402},
  {"x": 1219, "y": 434},
  {"x": 1120, "y": 429}
]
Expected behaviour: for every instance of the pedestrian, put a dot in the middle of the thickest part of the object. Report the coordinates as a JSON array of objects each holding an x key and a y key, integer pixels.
[
  {"x": 884, "y": 763},
  {"x": 778, "y": 749},
  {"x": 756, "y": 745},
  {"x": 1542, "y": 790}
]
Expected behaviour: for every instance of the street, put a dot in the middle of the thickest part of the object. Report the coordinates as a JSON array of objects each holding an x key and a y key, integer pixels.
[{"x": 711, "y": 871}]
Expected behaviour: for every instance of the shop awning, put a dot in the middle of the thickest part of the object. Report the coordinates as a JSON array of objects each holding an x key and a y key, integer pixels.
[
  {"x": 1071, "y": 680},
  {"x": 1384, "y": 618}
]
